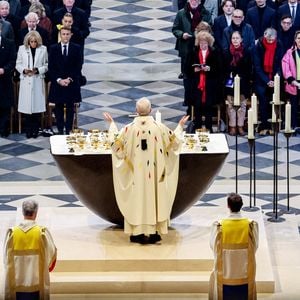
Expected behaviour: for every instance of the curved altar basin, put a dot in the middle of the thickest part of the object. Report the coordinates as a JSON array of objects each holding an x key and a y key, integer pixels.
[{"x": 90, "y": 178}]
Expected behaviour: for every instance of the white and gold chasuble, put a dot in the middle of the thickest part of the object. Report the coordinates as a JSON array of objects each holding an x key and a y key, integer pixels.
[
  {"x": 234, "y": 242},
  {"x": 145, "y": 157},
  {"x": 29, "y": 255}
]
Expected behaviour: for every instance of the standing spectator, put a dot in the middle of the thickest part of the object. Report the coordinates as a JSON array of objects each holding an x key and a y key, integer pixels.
[
  {"x": 291, "y": 8},
  {"x": 7, "y": 30},
  {"x": 32, "y": 20},
  {"x": 29, "y": 256},
  {"x": 145, "y": 184},
  {"x": 65, "y": 63},
  {"x": 183, "y": 29},
  {"x": 237, "y": 61},
  {"x": 44, "y": 21},
  {"x": 25, "y": 9},
  {"x": 267, "y": 63},
  {"x": 212, "y": 6},
  {"x": 80, "y": 20},
  {"x": 68, "y": 21},
  {"x": 223, "y": 21},
  {"x": 85, "y": 5},
  {"x": 32, "y": 64},
  {"x": 206, "y": 74},
  {"x": 234, "y": 241},
  {"x": 286, "y": 32},
  {"x": 6, "y": 15},
  {"x": 261, "y": 17},
  {"x": 238, "y": 24},
  {"x": 291, "y": 73},
  {"x": 15, "y": 7},
  {"x": 7, "y": 65}
]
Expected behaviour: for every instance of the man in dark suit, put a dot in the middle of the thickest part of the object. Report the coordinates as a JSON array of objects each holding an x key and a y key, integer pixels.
[
  {"x": 7, "y": 65},
  {"x": 79, "y": 17},
  {"x": 223, "y": 21},
  {"x": 64, "y": 66},
  {"x": 261, "y": 17},
  {"x": 7, "y": 30},
  {"x": 32, "y": 24},
  {"x": 291, "y": 8},
  {"x": 7, "y": 15}
]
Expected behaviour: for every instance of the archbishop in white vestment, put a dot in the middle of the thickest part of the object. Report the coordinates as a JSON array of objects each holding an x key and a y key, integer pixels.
[
  {"x": 145, "y": 158},
  {"x": 29, "y": 256}
]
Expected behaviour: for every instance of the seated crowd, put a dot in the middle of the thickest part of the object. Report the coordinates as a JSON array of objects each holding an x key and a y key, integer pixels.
[
  {"x": 252, "y": 39},
  {"x": 42, "y": 42}
]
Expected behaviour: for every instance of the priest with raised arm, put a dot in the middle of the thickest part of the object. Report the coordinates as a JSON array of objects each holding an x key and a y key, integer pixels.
[{"x": 145, "y": 156}]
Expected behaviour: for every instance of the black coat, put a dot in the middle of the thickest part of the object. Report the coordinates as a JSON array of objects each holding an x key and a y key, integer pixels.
[
  {"x": 261, "y": 77},
  {"x": 43, "y": 33},
  {"x": 79, "y": 17},
  {"x": 213, "y": 78},
  {"x": 7, "y": 62},
  {"x": 60, "y": 67},
  {"x": 243, "y": 69},
  {"x": 268, "y": 20}
]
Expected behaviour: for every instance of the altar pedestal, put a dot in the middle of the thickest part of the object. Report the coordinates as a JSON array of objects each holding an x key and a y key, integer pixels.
[{"x": 89, "y": 175}]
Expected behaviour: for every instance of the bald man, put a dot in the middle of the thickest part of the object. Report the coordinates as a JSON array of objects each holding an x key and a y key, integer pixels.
[{"x": 145, "y": 158}]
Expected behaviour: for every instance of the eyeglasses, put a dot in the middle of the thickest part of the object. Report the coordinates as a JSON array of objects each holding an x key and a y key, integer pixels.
[
  {"x": 238, "y": 17},
  {"x": 286, "y": 23}
]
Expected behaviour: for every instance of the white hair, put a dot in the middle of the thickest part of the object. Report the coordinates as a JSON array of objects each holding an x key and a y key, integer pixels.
[
  {"x": 143, "y": 106},
  {"x": 32, "y": 14}
]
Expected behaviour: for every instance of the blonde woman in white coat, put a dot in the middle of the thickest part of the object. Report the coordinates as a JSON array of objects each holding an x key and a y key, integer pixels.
[{"x": 32, "y": 64}]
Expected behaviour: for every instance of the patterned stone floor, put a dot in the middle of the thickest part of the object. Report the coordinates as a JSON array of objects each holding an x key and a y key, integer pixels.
[{"x": 129, "y": 54}]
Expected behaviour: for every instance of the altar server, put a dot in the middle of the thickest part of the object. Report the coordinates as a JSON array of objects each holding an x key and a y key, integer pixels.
[
  {"x": 29, "y": 256},
  {"x": 234, "y": 242},
  {"x": 145, "y": 170}
]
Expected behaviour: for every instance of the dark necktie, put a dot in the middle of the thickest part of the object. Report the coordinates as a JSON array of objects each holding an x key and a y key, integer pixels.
[
  {"x": 65, "y": 50},
  {"x": 293, "y": 13}
]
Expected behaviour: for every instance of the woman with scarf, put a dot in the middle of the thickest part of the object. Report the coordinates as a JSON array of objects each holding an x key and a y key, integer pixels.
[
  {"x": 237, "y": 61},
  {"x": 267, "y": 63},
  {"x": 207, "y": 72},
  {"x": 291, "y": 73},
  {"x": 184, "y": 27}
]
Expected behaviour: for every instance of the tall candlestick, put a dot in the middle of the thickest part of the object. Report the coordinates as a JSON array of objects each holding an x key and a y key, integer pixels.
[
  {"x": 288, "y": 117},
  {"x": 273, "y": 111},
  {"x": 277, "y": 89},
  {"x": 254, "y": 108},
  {"x": 236, "y": 96},
  {"x": 250, "y": 124},
  {"x": 158, "y": 116}
]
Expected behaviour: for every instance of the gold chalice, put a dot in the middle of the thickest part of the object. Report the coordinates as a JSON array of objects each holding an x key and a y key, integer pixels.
[
  {"x": 81, "y": 141},
  {"x": 76, "y": 132}
]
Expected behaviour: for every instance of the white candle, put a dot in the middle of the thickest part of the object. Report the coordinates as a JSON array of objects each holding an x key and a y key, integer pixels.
[
  {"x": 250, "y": 124},
  {"x": 254, "y": 108},
  {"x": 273, "y": 111},
  {"x": 158, "y": 116},
  {"x": 288, "y": 117},
  {"x": 277, "y": 89},
  {"x": 236, "y": 96}
]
